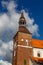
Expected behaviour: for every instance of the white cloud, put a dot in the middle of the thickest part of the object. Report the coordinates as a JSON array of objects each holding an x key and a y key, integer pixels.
[
  {"x": 33, "y": 28},
  {"x": 4, "y": 63},
  {"x": 6, "y": 50},
  {"x": 9, "y": 21}
]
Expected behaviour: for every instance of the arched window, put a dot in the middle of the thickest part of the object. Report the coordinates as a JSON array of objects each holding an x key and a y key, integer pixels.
[
  {"x": 26, "y": 42},
  {"x": 38, "y": 54},
  {"x": 23, "y": 22},
  {"x": 14, "y": 52}
]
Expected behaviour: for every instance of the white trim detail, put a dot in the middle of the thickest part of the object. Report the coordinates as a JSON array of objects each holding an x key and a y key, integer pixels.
[{"x": 24, "y": 46}]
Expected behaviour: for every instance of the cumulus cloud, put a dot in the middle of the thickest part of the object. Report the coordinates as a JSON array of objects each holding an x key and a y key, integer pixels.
[
  {"x": 4, "y": 62},
  {"x": 9, "y": 21},
  {"x": 9, "y": 27},
  {"x": 6, "y": 50},
  {"x": 33, "y": 28}
]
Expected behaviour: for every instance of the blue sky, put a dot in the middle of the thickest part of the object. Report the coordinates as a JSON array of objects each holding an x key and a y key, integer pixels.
[
  {"x": 35, "y": 9},
  {"x": 10, "y": 12}
]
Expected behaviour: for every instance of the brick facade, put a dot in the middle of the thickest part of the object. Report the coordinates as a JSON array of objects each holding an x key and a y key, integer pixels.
[
  {"x": 22, "y": 42},
  {"x": 22, "y": 53}
]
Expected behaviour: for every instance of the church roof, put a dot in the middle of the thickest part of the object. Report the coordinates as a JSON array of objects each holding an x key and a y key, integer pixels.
[
  {"x": 24, "y": 29},
  {"x": 37, "y": 43}
]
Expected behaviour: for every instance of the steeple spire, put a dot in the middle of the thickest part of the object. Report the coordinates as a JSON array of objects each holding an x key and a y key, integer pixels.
[
  {"x": 22, "y": 15},
  {"x": 22, "y": 21}
]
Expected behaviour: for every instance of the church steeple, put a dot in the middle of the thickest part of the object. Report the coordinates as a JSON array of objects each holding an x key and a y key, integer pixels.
[
  {"x": 22, "y": 24},
  {"x": 22, "y": 42},
  {"x": 22, "y": 21}
]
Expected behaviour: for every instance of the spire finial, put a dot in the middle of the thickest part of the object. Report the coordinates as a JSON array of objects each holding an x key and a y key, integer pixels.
[{"x": 22, "y": 15}]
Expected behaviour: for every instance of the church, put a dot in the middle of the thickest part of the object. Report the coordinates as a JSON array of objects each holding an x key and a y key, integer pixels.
[{"x": 25, "y": 48}]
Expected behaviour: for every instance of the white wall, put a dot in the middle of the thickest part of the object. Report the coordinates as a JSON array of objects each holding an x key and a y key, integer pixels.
[{"x": 36, "y": 50}]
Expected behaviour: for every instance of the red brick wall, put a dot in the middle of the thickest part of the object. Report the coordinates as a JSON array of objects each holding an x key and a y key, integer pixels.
[{"x": 22, "y": 53}]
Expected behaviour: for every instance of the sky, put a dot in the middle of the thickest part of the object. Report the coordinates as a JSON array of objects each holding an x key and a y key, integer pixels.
[{"x": 10, "y": 11}]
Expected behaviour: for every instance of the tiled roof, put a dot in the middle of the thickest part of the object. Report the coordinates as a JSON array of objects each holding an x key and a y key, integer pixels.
[
  {"x": 37, "y": 43},
  {"x": 24, "y": 29}
]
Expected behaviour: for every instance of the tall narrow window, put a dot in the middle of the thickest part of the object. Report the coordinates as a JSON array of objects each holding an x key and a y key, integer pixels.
[
  {"x": 14, "y": 52},
  {"x": 38, "y": 54},
  {"x": 24, "y": 61},
  {"x": 26, "y": 42}
]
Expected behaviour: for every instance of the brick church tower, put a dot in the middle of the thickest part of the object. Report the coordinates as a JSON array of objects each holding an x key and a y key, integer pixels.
[{"x": 22, "y": 44}]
